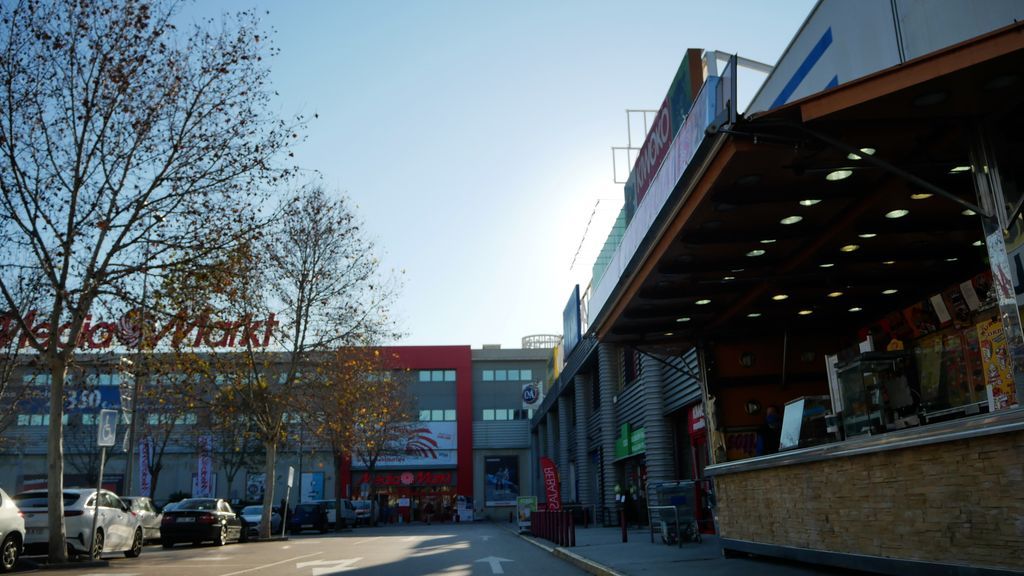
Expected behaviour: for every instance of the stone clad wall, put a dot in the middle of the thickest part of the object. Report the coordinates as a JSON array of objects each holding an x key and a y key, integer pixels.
[{"x": 959, "y": 502}]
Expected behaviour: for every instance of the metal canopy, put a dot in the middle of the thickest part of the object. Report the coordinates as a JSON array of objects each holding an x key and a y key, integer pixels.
[{"x": 707, "y": 278}]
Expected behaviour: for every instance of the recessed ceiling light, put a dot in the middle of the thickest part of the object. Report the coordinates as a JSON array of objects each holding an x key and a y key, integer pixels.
[
  {"x": 893, "y": 214},
  {"x": 865, "y": 151},
  {"x": 889, "y": 262},
  {"x": 959, "y": 169},
  {"x": 837, "y": 175},
  {"x": 977, "y": 243},
  {"x": 683, "y": 319},
  {"x": 835, "y": 294},
  {"x": 867, "y": 235},
  {"x": 921, "y": 196},
  {"x": 856, "y": 309},
  {"x": 969, "y": 212},
  {"x": 850, "y": 248},
  {"x": 737, "y": 270},
  {"x": 780, "y": 297},
  {"x": 729, "y": 278},
  {"x": 804, "y": 312},
  {"x": 809, "y": 202},
  {"x": 668, "y": 333},
  {"x": 754, "y": 315},
  {"x": 953, "y": 259},
  {"x": 755, "y": 253},
  {"x": 889, "y": 291},
  {"x": 791, "y": 219},
  {"x": 702, "y": 302},
  {"x": 826, "y": 265},
  {"x": 768, "y": 241}
]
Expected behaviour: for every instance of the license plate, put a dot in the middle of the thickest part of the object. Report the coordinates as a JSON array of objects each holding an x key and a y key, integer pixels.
[
  {"x": 35, "y": 531},
  {"x": 186, "y": 519}
]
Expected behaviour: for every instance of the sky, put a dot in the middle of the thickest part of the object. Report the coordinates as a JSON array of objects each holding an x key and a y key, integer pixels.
[{"x": 475, "y": 137}]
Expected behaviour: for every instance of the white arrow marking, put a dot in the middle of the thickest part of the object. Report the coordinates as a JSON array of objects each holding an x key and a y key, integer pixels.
[
  {"x": 322, "y": 567},
  {"x": 495, "y": 563}
]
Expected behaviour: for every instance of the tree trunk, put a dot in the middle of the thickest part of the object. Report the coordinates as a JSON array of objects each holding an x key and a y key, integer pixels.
[
  {"x": 338, "y": 483},
  {"x": 154, "y": 475},
  {"x": 268, "y": 490},
  {"x": 55, "y": 462}
]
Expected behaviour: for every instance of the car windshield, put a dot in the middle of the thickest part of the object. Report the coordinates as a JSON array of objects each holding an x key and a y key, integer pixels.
[
  {"x": 197, "y": 504},
  {"x": 39, "y": 499},
  {"x": 252, "y": 510}
]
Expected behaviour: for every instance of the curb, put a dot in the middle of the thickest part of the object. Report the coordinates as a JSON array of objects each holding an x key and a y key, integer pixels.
[
  {"x": 564, "y": 554},
  {"x": 44, "y": 567}
]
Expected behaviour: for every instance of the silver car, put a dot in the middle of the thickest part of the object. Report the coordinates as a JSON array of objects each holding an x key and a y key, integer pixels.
[
  {"x": 117, "y": 529},
  {"x": 12, "y": 532},
  {"x": 144, "y": 508}
]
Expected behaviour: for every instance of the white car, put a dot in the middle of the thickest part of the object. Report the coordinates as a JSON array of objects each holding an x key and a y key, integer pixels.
[
  {"x": 348, "y": 512},
  {"x": 117, "y": 528},
  {"x": 12, "y": 532},
  {"x": 253, "y": 515}
]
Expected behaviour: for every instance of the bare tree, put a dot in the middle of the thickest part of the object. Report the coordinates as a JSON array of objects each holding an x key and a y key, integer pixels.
[
  {"x": 238, "y": 447},
  {"x": 125, "y": 146},
  {"x": 320, "y": 271}
]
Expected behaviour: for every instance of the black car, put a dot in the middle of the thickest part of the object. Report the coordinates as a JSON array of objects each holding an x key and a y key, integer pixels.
[
  {"x": 199, "y": 520},
  {"x": 309, "y": 516}
]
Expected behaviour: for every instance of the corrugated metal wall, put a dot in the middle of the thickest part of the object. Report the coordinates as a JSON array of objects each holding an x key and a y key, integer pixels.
[
  {"x": 682, "y": 387},
  {"x": 489, "y": 434}
]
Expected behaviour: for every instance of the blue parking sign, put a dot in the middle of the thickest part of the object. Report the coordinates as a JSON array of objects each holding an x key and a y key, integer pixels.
[{"x": 107, "y": 430}]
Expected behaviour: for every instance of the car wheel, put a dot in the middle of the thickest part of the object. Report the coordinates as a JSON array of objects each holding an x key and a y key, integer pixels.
[
  {"x": 222, "y": 536},
  {"x": 97, "y": 546},
  {"x": 136, "y": 548},
  {"x": 9, "y": 553}
]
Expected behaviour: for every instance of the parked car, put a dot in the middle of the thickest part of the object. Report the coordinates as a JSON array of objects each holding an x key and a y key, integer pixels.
[
  {"x": 117, "y": 528},
  {"x": 309, "y": 516},
  {"x": 198, "y": 520},
  {"x": 144, "y": 508},
  {"x": 364, "y": 511},
  {"x": 12, "y": 532},
  {"x": 348, "y": 513},
  {"x": 252, "y": 516}
]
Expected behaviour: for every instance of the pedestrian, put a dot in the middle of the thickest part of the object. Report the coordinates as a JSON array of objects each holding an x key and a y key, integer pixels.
[{"x": 428, "y": 511}]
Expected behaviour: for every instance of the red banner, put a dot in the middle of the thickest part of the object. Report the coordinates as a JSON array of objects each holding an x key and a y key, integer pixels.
[{"x": 551, "y": 484}]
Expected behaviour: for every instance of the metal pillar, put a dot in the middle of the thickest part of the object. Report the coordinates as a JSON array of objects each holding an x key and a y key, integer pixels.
[
  {"x": 564, "y": 425},
  {"x": 608, "y": 378},
  {"x": 658, "y": 433},
  {"x": 582, "y": 390}
]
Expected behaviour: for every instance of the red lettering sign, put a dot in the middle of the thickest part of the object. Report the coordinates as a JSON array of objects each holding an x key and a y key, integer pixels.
[
  {"x": 408, "y": 478},
  {"x": 551, "y": 483},
  {"x": 653, "y": 151}
]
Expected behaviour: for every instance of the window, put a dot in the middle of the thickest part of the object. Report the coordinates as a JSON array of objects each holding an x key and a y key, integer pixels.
[
  {"x": 526, "y": 375},
  {"x": 501, "y": 414},
  {"x": 449, "y": 415},
  {"x": 501, "y": 375},
  {"x": 488, "y": 414},
  {"x": 437, "y": 415},
  {"x": 449, "y": 375},
  {"x": 424, "y": 375},
  {"x": 513, "y": 375},
  {"x": 424, "y": 415},
  {"x": 88, "y": 419},
  {"x": 488, "y": 375},
  {"x": 23, "y": 419},
  {"x": 36, "y": 379}
]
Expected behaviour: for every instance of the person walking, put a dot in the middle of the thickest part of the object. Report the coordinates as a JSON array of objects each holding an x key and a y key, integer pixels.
[{"x": 428, "y": 511}]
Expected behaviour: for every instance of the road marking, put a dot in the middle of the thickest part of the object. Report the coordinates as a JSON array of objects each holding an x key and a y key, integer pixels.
[
  {"x": 112, "y": 574},
  {"x": 285, "y": 547},
  {"x": 368, "y": 540},
  {"x": 495, "y": 563},
  {"x": 274, "y": 564},
  {"x": 410, "y": 539},
  {"x": 322, "y": 567}
]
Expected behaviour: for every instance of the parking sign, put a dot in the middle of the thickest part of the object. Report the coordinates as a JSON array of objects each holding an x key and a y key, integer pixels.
[{"x": 107, "y": 430}]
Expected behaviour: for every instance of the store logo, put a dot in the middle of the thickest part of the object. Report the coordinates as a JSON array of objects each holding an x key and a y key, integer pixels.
[{"x": 530, "y": 394}]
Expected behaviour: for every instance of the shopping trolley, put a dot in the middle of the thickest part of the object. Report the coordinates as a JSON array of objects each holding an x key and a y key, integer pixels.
[{"x": 672, "y": 510}]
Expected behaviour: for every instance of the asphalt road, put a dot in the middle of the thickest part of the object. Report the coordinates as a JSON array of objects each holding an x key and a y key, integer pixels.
[{"x": 477, "y": 549}]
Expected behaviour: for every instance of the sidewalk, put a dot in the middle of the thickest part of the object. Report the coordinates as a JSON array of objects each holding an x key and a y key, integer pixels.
[{"x": 601, "y": 551}]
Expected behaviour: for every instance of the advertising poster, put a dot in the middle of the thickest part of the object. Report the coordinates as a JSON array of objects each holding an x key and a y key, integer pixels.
[
  {"x": 254, "y": 485},
  {"x": 312, "y": 487},
  {"x": 995, "y": 362},
  {"x": 428, "y": 444},
  {"x": 501, "y": 487},
  {"x": 204, "y": 488},
  {"x": 145, "y": 479},
  {"x": 525, "y": 507},
  {"x": 211, "y": 486}
]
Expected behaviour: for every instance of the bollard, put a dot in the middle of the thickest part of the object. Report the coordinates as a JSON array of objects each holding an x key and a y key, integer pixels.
[
  {"x": 572, "y": 532},
  {"x": 622, "y": 522},
  {"x": 511, "y": 517}
]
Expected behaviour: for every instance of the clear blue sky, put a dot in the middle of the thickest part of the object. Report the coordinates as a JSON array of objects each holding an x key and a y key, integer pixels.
[{"x": 475, "y": 136}]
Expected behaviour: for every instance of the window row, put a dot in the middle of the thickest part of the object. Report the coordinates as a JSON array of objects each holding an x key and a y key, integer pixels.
[
  {"x": 437, "y": 375},
  {"x": 437, "y": 415},
  {"x": 508, "y": 375},
  {"x": 507, "y": 414},
  {"x": 91, "y": 419}
]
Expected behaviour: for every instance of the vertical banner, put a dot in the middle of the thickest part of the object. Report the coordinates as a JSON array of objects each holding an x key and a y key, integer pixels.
[
  {"x": 312, "y": 486},
  {"x": 204, "y": 485},
  {"x": 145, "y": 455},
  {"x": 550, "y": 474}
]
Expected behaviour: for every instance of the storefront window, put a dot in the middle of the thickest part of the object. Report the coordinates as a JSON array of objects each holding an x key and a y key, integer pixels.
[{"x": 488, "y": 414}]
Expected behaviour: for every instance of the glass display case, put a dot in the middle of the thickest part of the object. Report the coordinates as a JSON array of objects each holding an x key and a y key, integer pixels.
[
  {"x": 878, "y": 393},
  {"x": 803, "y": 422}
]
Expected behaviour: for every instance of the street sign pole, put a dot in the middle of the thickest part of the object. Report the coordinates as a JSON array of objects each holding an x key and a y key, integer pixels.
[
  {"x": 287, "y": 496},
  {"x": 106, "y": 433}
]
